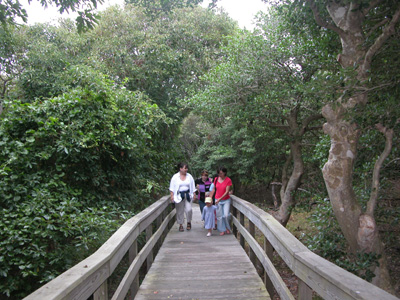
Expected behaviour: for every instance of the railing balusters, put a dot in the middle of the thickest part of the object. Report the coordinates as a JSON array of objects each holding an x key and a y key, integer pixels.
[
  {"x": 133, "y": 251},
  {"x": 252, "y": 231},
  {"x": 102, "y": 292},
  {"x": 234, "y": 229},
  {"x": 241, "y": 215},
  {"x": 304, "y": 291},
  {"x": 149, "y": 233},
  {"x": 269, "y": 250},
  {"x": 90, "y": 276}
]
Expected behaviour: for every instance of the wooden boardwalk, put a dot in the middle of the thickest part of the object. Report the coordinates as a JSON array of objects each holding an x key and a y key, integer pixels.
[{"x": 190, "y": 265}]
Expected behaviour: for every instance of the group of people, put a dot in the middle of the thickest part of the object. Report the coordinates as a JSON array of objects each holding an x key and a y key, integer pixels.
[{"x": 213, "y": 196}]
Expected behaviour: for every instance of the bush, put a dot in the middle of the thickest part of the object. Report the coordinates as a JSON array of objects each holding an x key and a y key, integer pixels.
[
  {"x": 70, "y": 167},
  {"x": 330, "y": 243}
]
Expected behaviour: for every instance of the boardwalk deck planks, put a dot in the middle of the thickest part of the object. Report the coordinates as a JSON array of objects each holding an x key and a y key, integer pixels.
[{"x": 191, "y": 266}]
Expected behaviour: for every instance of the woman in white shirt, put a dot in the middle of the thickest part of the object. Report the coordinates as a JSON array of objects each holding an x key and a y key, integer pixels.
[{"x": 182, "y": 190}]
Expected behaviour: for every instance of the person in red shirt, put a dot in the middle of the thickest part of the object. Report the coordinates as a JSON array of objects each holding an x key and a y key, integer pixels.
[{"x": 222, "y": 199}]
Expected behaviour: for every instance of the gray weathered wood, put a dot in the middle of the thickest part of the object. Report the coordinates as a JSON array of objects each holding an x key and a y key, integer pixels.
[
  {"x": 325, "y": 278},
  {"x": 134, "y": 268},
  {"x": 82, "y": 280},
  {"x": 149, "y": 232},
  {"x": 102, "y": 292},
  {"x": 273, "y": 274},
  {"x": 190, "y": 265},
  {"x": 252, "y": 231},
  {"x": 198, "y": 263},
  {"x": 133, "y": 251},
  {"x": 304, "y": 291},
  {"x": 241, "y": 215},
  {"x": 267, "y": 281}
]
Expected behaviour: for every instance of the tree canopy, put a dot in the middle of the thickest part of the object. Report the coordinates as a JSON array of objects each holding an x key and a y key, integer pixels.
[{"x": 93, "y": 123}]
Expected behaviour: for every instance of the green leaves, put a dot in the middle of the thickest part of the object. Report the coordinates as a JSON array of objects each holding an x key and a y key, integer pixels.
[{"x": 69, "y": 166}]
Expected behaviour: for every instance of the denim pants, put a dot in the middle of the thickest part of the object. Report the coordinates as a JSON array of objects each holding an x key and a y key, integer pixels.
[
  {"x": 223, "y": 215},
  {"x": 201, "y": 204}
]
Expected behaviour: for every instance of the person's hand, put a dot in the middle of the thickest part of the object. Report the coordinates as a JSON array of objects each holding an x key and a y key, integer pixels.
[{"x": 172, "y": 199}]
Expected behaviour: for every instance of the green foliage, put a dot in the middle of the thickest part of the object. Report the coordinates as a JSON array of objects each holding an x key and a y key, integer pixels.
[
  {"x": 162, "y": 57},
  {"x": 10, "y": 11},
  {"x": 69, "y": 167},
  {"x": 330, "y": 243},
  {"x": 160, "y": 8},
  {"x": 235, "y": 147}
]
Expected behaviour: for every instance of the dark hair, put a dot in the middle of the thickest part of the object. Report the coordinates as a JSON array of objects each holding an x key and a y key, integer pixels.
[
  {"x": 181, "y": 165},
  {"x": 204, "y": 172},
  {"x": 223, "y": 169}
]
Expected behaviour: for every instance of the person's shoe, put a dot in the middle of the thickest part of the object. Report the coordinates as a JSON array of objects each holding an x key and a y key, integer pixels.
[
  {"x": 180, "y": 227},
  {"x": 209, "y": 234},
  {"x": 222, "y": 233},
  {"x": 189, "y": 226},
  {"x": 227, "y": 231}
]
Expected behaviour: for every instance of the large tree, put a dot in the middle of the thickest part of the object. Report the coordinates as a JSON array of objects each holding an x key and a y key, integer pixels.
[
  {"x": 364, "y": 28},
  {"x": 163, "y": 57},
  {"x": 269, "y": 80}
]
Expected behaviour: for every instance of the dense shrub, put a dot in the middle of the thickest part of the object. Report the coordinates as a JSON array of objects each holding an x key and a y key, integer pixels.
[
  {"x": 71, "y": 167},
  {"x": 330, "y": 243}
]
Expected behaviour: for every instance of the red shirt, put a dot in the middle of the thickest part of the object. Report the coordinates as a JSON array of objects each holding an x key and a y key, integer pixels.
[{"x": 221, "y": 188}]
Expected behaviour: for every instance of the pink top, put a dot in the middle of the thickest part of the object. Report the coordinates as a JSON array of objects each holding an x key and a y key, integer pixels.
[{"x": 221, "y": 188}]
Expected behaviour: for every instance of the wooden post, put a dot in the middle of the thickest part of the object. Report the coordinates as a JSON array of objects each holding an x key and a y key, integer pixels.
[
  {"x": 234, "y": 213},
  {"x": 149, "y": 233},
  {"x": 102, "y": 292},
  {"x": 252, "y": 231},
  {"x": 164, "y": 215},
  {"x": 158, "y": 224},
  {"x": 304, "y": 292},
  {"x": 242, "y": 223},
  {"x": 133, "y": 251},
  {"x": 269, "y": 250}
]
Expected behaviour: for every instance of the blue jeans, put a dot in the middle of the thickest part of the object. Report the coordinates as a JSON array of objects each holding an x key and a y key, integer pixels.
[
  {"x": 223, "y": 214},
  {"x": 201, "y": 204}
]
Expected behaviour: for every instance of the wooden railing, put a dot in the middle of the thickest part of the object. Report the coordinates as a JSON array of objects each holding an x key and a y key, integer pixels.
[
  {"x": 89, "y": 277},
  {"x": 313, "y": 272}
]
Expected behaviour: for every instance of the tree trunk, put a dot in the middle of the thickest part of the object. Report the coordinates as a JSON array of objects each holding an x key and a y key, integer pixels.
[
  {"x": 359, "y": 229},
  {"x": 288, "y": 191},
  {"x": 338, "y": 173}
]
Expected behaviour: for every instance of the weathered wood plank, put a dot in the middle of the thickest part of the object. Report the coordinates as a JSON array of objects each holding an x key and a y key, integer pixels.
[
  {"x": 190, "y": 265},
  {"x": 82, "y": 280},
  {"x": 325, "y": 278},
  {"x": 143, "y": 255},
  {"x": 273, "y": 274},
  {"x": 304, "y": 291}
]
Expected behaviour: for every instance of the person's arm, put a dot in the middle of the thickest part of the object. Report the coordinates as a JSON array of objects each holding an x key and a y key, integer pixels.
[
  {"x": 196, "y": 192},
  {"x": 226, "y": 193},
  {"x": 192, "y": 187},
  {"x": 172, "y": 188},
  {"x": 212, "y": 191}
]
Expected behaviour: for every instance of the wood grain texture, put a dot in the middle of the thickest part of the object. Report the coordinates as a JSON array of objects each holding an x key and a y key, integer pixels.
[
  {"x": 191, "y": 265},
  {"x": 328, "y": 280}
]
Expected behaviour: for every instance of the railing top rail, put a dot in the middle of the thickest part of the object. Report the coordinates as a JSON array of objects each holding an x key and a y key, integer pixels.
[
  {"x": 324, "y": 277},
  {"x": 86, "y": 276}
]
